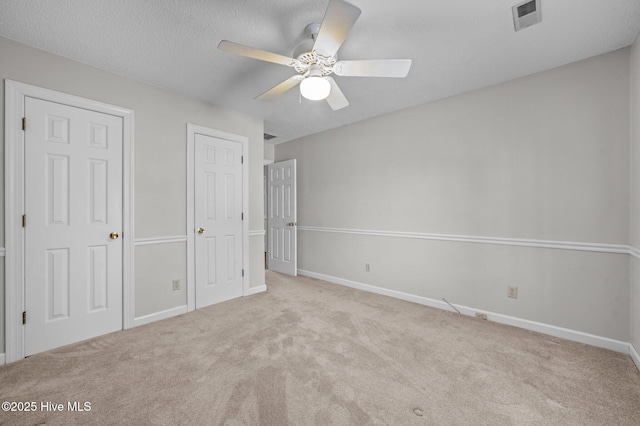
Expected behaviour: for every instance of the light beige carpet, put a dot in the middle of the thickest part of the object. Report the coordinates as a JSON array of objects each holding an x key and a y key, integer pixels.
[{"x": 312, "y": 353}]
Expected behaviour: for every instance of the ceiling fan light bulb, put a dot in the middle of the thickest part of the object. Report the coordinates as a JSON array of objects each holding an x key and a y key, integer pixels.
[{"x": 315, "y": 88}]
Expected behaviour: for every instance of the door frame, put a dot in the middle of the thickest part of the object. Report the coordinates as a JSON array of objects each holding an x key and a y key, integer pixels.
[
  {"x": 192, "y": 130},
  {"x": 14, "y": 186}
]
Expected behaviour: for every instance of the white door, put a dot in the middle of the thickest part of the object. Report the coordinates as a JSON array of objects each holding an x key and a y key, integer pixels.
[
  {"x": 218, "y": 219},
  {"x": 283, "y": 231},
  {"x": 73, "y": 209}
]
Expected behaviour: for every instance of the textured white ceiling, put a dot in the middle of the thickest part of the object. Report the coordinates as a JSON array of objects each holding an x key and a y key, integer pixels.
[{"x": 456, "y": 46}]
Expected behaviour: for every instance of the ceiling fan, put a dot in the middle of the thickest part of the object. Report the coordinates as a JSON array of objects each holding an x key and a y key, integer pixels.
[{"x": 315, "y": 59}]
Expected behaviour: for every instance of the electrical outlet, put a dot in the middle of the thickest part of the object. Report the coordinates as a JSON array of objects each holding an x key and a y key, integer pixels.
[
  {"x": 481, "y": 316},
  {"x": 176, "y": 285},
  {"x": 367, "y": 267},
  {"x": 512, "y": 292}
]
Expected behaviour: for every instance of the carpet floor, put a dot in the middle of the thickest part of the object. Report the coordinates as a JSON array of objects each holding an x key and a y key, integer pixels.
[{"x": 307, "y": 352}]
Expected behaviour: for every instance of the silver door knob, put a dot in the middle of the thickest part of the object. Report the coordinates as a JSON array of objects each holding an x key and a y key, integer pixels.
[{"x": 200, "y": 230}]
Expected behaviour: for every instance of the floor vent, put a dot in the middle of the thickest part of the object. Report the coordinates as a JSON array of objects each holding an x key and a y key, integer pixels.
[
  {"x": 267, "y": 136},
  {"x": 526, "y": 14}
]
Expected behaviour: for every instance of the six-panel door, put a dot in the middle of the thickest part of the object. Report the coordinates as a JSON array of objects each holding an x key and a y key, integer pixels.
[
  {"x": 218, "y": 219},
  {"x": 73, "y": 206},
  {"x": 282, "y": 226}
]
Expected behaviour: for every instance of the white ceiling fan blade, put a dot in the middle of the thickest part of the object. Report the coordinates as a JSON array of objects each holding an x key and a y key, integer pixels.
[
  {"x": 336, "y": 24},
  {"x": 280, "y": 88},
  {"x": 377, "y": 68},
  {"x": 336, "y": 98},
  {"x": 250, "y": 52}
]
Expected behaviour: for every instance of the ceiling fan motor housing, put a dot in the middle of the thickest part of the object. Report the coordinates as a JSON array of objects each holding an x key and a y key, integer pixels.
[
  {"x": 303, "y": 49},
  {"x": 306, "y": 56},
  {"x": 315, "y": 71}
]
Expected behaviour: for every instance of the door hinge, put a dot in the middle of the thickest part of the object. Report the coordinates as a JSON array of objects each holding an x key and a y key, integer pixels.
[
  {"x": 243, "y": 272},
  {"x": 242, "y": 159},
  {"x": 24, "y": 317},
  {"x": 24, "y": 123},
  {"x": 242, "y": 216},
  {"x": 24, "y": 220}
]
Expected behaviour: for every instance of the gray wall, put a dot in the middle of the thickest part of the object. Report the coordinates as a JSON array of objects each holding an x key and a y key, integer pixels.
[
  {"x": 269, "y": 152},
  {"x": 543, "y": 157},
  {"x": 160, "y": 163},
  {"x": 635, "y": 194}
]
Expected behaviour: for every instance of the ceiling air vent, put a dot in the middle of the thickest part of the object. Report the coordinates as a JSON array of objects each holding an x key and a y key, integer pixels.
[
  {"x": 526, "y": 14},
  {"x": 267, "y": 136}
]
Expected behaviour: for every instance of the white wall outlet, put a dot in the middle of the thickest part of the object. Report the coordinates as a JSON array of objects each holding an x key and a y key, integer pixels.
[
  {"x": 512, "y": 292},
  {"x": 367, "y": 267},
  {"x": 176, "y": 285}
]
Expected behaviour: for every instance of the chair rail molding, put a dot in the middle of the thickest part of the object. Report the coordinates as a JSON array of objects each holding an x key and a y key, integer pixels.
[
  {"x": 563, "y": 245},
  {"x": 160, "y": 240}
]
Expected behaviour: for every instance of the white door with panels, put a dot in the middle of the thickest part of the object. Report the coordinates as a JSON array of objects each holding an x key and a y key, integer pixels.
[
  {"x": 72, "y": 224},
  {"x": 218, "y": 219},
  {"x": 282, "y": 217}
]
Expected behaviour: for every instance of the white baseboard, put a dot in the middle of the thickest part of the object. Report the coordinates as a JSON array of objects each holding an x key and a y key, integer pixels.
[
  {"x": 255, "y": 290},
  {"x": 157, "y": 316},
  {"x": 634, "y": 355},
  {"x": 2, "y": 359},
  {"x": 576, "y": 336}
]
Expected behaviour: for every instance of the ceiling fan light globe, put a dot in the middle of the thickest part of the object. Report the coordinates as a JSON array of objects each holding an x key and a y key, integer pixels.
[{"x": 315, "y": 88}]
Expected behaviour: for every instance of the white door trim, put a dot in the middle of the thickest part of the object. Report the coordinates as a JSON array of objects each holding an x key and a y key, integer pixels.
[
  {"x": 15, "y": 94},
  {"x": 192, "y": 130}
]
